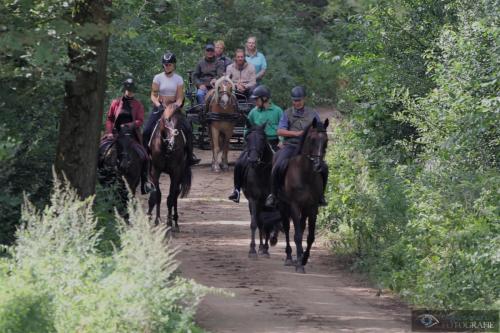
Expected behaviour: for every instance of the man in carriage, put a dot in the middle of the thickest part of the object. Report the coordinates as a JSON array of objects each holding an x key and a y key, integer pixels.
[
  {"x": 242, "y": 73},
  {"x": 127, "y": 114},
  {"x": 291, "y": 126},
  {"x": 208, "y": 70}
]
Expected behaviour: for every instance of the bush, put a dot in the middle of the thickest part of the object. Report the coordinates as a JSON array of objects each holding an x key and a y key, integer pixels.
[{"x": 55, "y": 280}]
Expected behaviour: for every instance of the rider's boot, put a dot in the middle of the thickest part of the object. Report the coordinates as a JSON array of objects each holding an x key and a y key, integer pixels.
[
  {"x": 271, "y": 201},
  {"x": 235, "y": 196}
]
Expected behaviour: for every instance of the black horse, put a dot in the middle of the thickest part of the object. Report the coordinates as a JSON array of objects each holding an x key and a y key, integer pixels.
[
  {"x": 303, "y": 185},
  {"x": 168, "y": 146},
  {"x": 256, "y": 187},
  {"x": 118, "y": 160}
]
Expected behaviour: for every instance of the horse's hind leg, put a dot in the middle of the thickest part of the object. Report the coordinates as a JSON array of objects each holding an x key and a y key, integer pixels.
[
  {"x": 228, "y": 133},
  {"x": 310, "y": 236}
]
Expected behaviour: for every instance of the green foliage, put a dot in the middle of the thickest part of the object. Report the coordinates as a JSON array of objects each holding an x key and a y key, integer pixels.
[
  {"x": 54, "y": 279},
  {"x": 420, "y": 212}
]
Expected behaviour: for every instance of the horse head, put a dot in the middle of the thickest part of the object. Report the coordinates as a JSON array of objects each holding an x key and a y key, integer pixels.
[
  {"x": 123, "y": 147},
  {"x": 315, "y": 140},
  {"x": 256, "y": 144},
  {"x": 223, "y": 91},
  {"x": 169, "y": 131}
]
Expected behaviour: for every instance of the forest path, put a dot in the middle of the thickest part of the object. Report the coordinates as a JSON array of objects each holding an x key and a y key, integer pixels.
[{"x": 269, "y": 297}]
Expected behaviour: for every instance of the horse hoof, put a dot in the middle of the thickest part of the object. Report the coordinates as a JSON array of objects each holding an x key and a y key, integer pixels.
[
  {"x": 225, "y": 167},
  {"x": 289, "y": 262},
  {"x": 252, "y": 254},
  {"x": 266, "y": 255},
  {"x": 176, "y": 229},
  {"x": 300, "y": 269}
]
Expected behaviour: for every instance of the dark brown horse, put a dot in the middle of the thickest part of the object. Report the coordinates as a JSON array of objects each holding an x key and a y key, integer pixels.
[
  {"x": 303, "y": 185},
  {"x": 222, "y": 114},
  {"x": 118, "y": 160},
  {"x": 169, "y": 155},
  {"x": 256, "y": 187}
]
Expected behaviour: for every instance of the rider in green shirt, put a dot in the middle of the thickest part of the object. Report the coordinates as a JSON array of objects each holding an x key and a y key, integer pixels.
[{"x": 265, "y": 112}]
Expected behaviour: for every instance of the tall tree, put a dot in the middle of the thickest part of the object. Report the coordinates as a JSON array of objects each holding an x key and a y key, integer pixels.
[{"x": 84, "y": 95}]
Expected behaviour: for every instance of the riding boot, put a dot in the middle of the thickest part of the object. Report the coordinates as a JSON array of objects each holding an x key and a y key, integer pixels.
[
  {"x": 235, "y": 196},
  {"x": 192, "y": 159}
]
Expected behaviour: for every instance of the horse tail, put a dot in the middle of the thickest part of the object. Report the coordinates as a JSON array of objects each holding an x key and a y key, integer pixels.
[{"x": 186, "y": 182}]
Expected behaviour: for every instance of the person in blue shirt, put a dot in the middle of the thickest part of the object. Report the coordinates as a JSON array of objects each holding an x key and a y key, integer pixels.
[
  {"x": 256, "y": 58},
  {"x": 292, "y": 124}
]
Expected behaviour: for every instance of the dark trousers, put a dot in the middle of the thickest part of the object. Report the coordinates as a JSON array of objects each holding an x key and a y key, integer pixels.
[{"x": 150, "y": 124}]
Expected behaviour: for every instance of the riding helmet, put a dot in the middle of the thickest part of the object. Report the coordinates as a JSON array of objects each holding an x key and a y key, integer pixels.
[
  {"x": 261, "y": 92},
  {"x": 168, "y": 58},
  {"x": 128, "y": 84},
  {"x": 298, "y": 93}
]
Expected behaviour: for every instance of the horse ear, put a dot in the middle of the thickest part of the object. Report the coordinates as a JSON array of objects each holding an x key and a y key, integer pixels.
[
  {"x": 326, "y": 123},
  {"x": 314, "y": 123}
]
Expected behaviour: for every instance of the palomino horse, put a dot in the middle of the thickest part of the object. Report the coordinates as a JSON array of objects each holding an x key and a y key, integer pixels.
[
  {"x": 169, "y": 155},
  {"x": 303, "y": 186},
  {"x": 222, "y": 114},
  {"x": 256, "y": 187},
  {"x": 118, "y": 159}
]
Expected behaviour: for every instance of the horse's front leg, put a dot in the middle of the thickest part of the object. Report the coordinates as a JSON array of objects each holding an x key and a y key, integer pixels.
[
  {"x": 214, "y": 135},
  {"x": 298, "y": 226},
  {"x": 155, "y": 196},
  {"x": 228, "y": 133},
  {"x": 285, "y": 221},
  {"x": 310, "y": 237},
  {"x": 252, "y": 253},
  {"x": 171, "y": 201}
]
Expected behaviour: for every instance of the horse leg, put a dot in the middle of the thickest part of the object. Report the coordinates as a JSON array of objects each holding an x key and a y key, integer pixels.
[
  {"x": 215, "y": 134},
  {"x": 310, "y": 236},
  {"x": 253, "y": 227},
  {"x": 155, "y": 196},
  {"x": 176, "y": 215},
  {"x": 297, "y": 225},
  {"x": 227, "y": 138},
  {"x": 170, "y": 201},
  {"x": 286, "y": 229}
]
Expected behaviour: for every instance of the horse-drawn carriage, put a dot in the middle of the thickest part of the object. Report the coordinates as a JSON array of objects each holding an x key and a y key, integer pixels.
[{"x": 199, "y": 119}]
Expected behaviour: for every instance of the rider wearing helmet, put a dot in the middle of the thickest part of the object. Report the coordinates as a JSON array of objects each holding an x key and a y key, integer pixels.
[
  {"x": 208, "y": 70},
  {"x": 168, "y": 88},
  {"x": 291, "y": 126},
  {"x": 127, "y": 111},
  {"x": 265, "y": 112}
]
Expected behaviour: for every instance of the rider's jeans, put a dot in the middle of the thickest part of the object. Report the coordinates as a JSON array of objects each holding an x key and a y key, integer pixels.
[
  {"x": 154, "y": 116},
  {"x": 200, "y": 95}
]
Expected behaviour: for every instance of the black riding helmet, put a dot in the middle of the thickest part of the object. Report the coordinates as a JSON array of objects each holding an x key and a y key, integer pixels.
[
  {"x": 261, "y": 92},
  {"x": 128, "y": 84},
  {"x": 298, "y": 93},
  {"x": 168, "y": 58}
]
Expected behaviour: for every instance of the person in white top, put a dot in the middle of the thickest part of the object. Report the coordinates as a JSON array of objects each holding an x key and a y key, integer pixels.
[{"x": 168, "y": 88}]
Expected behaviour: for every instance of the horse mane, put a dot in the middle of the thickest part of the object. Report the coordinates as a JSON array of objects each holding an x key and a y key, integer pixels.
[
  {"x": 319, "y": 126},
  {"x": 218, "y": 83}
]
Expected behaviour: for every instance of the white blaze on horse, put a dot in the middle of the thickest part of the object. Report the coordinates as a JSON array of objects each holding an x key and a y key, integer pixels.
[{"x": 222, "y": 115}]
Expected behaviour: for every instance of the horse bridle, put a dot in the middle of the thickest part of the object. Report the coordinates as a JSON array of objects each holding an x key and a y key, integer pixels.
[{"x": 174, "y": 132}]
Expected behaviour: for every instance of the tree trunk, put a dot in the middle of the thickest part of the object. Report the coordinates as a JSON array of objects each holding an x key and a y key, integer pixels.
[{"x": 81, "y": 117}]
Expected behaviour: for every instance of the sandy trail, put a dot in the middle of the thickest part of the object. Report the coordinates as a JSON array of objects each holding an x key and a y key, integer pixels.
[{"x": 214, "y": 242}]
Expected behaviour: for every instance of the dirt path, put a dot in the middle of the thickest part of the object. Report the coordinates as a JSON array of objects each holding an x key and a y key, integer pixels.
[{"x": 270, "y": 297}]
